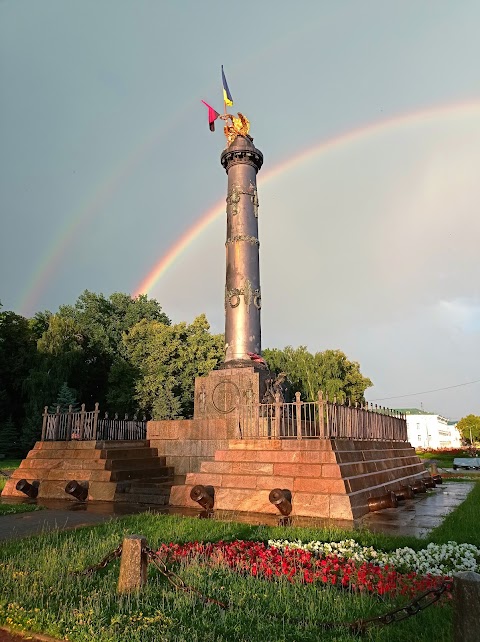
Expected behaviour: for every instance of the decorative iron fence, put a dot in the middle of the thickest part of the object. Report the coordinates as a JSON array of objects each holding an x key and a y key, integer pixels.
[
  {"x": 89, "y": 426},
  {"x": 322, "y": 419}
]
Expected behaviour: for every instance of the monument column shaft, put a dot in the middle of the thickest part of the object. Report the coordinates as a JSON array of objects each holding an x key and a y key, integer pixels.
[{"x": 242, "y": 288}]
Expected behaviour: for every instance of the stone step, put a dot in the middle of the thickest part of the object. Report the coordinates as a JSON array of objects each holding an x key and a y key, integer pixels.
[
  {"x": 158, "y": 485},
  {"x": 41, "y": 465},
  {"x": 124, "y": 444},
  {"x": 54, "y": 453},
  {"x": 138, "y": 498},
  {"x": 65, "y": 445},
  {"x": 276, "y": 456},
  {"x": 128, "y": 453},
  {"x": 60, "y": 474},
  {"x": 134, "y": 464},
  {"x": 146, "y": 473}
]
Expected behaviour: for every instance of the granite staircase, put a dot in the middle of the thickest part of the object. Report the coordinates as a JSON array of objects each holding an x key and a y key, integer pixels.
[
  {"x": 113, "y": 470},
  {"x": 329, "y": 478}
]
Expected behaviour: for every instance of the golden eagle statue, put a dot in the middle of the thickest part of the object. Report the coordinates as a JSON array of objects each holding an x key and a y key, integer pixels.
[{"x": 235, "y": 127}]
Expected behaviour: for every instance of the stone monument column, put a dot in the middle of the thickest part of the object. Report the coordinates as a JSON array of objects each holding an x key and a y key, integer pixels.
[{"x": 242, "y": 160}]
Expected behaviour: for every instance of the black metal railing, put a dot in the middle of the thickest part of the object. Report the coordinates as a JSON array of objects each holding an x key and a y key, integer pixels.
[
  {"x": 87, "y": 425},
  {"x": 322, "y": 419}
]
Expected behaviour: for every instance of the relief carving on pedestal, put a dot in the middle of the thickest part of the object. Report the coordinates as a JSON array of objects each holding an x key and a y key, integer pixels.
[{"x": 225, "y": 396}]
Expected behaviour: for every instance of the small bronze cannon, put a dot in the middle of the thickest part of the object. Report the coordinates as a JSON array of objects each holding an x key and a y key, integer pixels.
[
  {"x": 76, "y": 489},
  {"x": 282, "y": 499},
  {"x": 389, "y": 500},
  {"x": 203, "y": 495},
  {"x": 419, "y": 487},
  {"x": 404, "y": 492},
  {"x": 429, "y": 482},
  {"x": 30, "y": 490}
]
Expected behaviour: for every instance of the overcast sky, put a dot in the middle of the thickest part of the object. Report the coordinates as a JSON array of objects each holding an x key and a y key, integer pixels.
[{"x": 369, "y": 243}]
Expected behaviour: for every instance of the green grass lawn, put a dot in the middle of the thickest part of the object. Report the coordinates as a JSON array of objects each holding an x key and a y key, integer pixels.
[
  {"x": 9, "y": 464},
  {"x": 10, "y": 509},
  {"x": 39, "y": 594},
  {"x": 443, "y": 459}
]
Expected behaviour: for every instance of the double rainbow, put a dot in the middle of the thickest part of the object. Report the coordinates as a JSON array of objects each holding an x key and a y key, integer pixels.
[{"x": 44, "y": 272}]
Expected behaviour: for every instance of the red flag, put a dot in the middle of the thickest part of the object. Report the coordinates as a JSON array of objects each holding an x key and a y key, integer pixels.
[{"x": 212, "y": 116}]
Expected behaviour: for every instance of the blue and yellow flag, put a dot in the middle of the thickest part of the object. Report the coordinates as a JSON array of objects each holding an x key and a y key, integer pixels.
[{"x": 227, "y": 96}]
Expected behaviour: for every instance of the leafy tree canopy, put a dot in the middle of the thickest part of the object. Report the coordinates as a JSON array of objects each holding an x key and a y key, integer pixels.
[
  {"x": 66, "y": 398},
  {"x": 104, "y": 320},
  {"x": 169, "y": 358},
  {"x": 469, "y": 427},
  {"x": 329, "y": 371}
]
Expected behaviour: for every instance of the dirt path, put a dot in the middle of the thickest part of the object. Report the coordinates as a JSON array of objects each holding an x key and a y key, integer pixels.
[{"x": 8, "y": 636}]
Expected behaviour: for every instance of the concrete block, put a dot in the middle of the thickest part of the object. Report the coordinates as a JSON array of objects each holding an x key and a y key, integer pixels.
[{"x": 133, "y": 565}]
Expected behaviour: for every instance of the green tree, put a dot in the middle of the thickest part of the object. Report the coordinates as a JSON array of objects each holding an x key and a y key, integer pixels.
[
  {"x": 39, "y": 323},
  {"x": 66, "y": 397},
  {"x": 9, "y": 439},
  {"x": 122, "y": 379},
  {"x": 329, "y": 371},
  {"x": 469, "y": 428},
  {"x": 102, "y": 322},
  {"x": 17, "y": 357},
  {"x": 168, "y": 358}
]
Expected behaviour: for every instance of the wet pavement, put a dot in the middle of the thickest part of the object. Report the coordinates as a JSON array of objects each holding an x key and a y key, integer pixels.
[
  {"x": 417, "y": 517},
  {"x": 414, "y": 517}
]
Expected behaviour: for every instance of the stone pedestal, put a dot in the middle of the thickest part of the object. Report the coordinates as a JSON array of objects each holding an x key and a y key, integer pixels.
[{"x": 220, "y": 394}]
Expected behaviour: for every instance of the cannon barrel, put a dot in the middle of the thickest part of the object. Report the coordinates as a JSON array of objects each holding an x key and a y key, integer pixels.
[
  {"x": 419, "y": 487},
  {"x": 203, "y": 495},
  {"x": 429, "y": 482},
  {"x": 30, "y": 490},
  {"x": 404, "y": 492},
  {"x": 77, "y": 490},
  {"x": 389, "y": 500},
  {"x": 282, "y": 499}
]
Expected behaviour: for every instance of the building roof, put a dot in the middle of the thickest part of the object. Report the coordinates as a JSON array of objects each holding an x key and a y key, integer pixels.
[{"x": 415, "y": 411}]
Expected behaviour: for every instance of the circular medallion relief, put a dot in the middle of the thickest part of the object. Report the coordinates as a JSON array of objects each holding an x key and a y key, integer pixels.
[{"x": 225, "y": 396}]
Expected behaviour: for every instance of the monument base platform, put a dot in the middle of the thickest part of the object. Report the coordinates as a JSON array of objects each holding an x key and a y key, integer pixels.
[{"x": 328, "y": 478}]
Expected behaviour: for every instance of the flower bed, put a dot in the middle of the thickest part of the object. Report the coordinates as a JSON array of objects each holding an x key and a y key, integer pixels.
[
  {"x": 297, "y": 564},
  {"x": 435, "y": 559}
]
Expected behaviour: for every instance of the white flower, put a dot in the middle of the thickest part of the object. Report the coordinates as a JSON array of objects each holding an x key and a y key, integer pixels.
[{"x": 435, "y": 559}]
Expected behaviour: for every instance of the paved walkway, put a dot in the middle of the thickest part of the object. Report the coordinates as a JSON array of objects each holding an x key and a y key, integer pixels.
[
  {"x": 419, "y": 516},
  {"x": 414, "y": 517}
]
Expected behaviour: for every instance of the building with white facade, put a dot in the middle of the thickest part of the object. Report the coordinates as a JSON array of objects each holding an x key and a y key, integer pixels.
[{"x": 430, "y": 431}]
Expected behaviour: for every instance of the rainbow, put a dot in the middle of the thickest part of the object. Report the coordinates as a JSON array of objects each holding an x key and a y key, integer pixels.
[
  {"x": 73, "y": 225},
  {"x": 348, "y": 138},
  {"x": 56, "y": 252}
]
